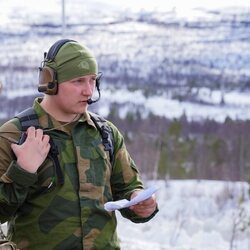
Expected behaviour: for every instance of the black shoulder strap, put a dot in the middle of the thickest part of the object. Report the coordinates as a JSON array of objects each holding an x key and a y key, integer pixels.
[
  {"x": 106, "y": 134},
  {"x": 28, "y": 118}
]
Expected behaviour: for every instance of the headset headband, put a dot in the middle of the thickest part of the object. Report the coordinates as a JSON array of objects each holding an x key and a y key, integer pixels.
[
  {"x": 48, "y": 82},
  {"x": 55, "y": 48}
]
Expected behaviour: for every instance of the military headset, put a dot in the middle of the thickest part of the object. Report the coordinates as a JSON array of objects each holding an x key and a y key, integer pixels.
[{"x": 48, "y": 80}]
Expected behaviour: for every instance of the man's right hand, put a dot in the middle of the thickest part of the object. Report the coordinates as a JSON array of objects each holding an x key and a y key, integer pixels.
[{"x": 32, "y": 153}]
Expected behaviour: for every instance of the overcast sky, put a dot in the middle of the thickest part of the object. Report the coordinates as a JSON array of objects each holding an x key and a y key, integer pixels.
[
  {"x": 180, "y": 4},
  {"x": 183, "y": 7},
  {"x": 138, "y": 4}
]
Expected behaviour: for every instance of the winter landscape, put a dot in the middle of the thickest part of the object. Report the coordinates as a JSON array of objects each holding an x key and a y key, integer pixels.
[
  {"x": 197, "y": 54},
  {"x": 194, "y": 215},
  {"x": 191, "y": 53}
]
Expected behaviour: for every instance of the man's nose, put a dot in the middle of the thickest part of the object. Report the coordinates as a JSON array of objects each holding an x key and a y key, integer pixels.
[{"x": 87, "y": 89}]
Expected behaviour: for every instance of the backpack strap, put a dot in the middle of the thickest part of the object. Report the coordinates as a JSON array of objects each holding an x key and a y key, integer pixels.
[
  {"x": 106, "y": 134},
  {"x": 29, "y": 118}
]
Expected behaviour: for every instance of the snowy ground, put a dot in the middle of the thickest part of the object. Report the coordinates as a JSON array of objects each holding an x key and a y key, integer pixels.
[
  {"x": 237, "y": 105},
  {"x": 205, "y": 215},
  {"x": 17, "y": 19}
]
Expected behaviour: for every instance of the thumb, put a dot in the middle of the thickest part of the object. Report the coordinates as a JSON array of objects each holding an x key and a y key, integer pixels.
[{"x": 14, "y": 147}]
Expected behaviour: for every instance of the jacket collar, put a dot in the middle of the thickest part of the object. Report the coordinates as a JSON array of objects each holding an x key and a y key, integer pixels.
[{"x": 47, "y": 121}]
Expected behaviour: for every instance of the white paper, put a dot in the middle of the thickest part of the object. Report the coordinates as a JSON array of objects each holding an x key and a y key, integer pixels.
[{"x": 143, "y": 195}]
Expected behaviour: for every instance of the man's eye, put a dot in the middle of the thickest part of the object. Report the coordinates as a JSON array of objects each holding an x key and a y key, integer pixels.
[
  {"x": 77, "y": 81},
  {"x": 93, "y": 80}
]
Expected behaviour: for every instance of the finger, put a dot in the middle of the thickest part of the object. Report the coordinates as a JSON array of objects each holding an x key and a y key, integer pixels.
[
  {"x": 45, "y": 150},
  {"x": 46, "y": 139},
  {"x": 31, "y": 132},
  {"x": 39, "y": 134},
  {"x": 14, "y": 147},
  {"x": 143, "y": 206},
  {"x": 150, "y": 200},
  {"x": 147, "y": 202},
  {"x": 143, "y": 213},
  {"x": 145, "y": 209}
]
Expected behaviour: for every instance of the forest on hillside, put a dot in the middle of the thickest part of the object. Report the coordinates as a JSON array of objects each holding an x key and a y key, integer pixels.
[
  {"x": 156, "y": 53},
  {"x": 180, "y": 149}
]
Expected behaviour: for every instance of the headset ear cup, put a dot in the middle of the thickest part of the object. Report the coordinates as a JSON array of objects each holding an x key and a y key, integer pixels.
[{"x": 48, "y": 81}]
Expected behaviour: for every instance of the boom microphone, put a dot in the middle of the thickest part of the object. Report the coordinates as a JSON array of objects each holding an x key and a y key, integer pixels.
[{"x": 90, "y": 101}]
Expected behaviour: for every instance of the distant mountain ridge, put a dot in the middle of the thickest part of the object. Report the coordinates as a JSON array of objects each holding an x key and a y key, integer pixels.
[{"x": 152, "y": 51}]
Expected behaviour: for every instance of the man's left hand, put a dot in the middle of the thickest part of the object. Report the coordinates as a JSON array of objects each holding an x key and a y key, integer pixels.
[{"x": 144, "y": 208}]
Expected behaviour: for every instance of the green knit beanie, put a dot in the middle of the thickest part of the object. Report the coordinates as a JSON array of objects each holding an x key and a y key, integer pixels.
[{"x": 73, "y": 60}]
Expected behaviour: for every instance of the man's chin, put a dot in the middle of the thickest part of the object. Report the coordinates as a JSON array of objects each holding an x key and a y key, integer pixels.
[{"x": 81, "y": 110}]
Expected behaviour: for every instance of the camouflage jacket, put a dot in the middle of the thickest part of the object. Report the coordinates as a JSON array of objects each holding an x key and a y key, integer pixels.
[{"x": 43, "y": 214}]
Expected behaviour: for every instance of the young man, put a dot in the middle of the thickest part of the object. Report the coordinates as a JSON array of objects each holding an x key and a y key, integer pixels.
[{"x": 61, "y": 206}]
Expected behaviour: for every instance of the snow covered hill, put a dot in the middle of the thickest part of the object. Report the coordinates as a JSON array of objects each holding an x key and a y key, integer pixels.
[
  {"x": 196, "y": 64},
  {"x": 204, "y": 215}
]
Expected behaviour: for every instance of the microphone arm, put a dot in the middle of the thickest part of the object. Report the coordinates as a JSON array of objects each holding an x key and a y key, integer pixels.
[{"x": 90, "y": 101}]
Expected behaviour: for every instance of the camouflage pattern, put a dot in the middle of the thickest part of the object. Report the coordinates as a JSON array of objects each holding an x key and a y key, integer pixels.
[{"x": 43, "y": 214}]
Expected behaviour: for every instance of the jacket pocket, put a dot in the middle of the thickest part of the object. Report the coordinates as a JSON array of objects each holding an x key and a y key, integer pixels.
[{"x": 98, "y": 169}]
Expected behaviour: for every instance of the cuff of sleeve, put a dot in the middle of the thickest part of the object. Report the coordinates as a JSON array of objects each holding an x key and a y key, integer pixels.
[
  {"x": 20, "y": 176},
  {"x": 127, "y": 213},
  {"x": 128, "y": 194}
]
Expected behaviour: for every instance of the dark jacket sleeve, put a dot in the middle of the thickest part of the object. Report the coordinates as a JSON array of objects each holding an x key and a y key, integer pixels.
[
  {"x": 125, "y": 177},
  {"x": 14, "y": 181}
]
